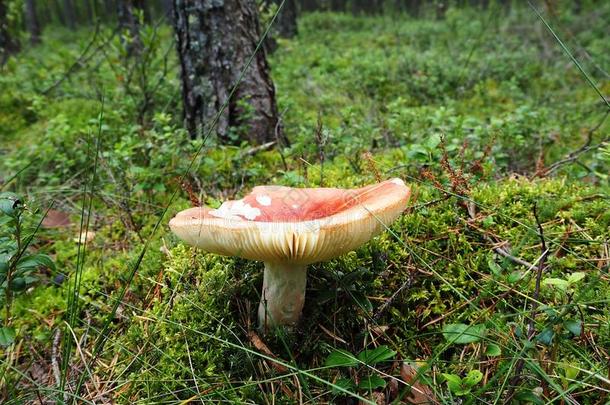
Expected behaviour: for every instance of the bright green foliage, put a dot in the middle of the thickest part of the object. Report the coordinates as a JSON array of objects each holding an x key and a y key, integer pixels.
[
  {"x": 465, "y": 110},
  {"x": 18, "y": 265}
]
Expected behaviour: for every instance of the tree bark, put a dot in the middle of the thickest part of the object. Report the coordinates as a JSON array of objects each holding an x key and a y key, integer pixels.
[
  {"x": 8, "y": 44},
  {"x": 129, "y": 23},
  {"x": 215, "y": 39},
  {"x": 31, "y": 19}
]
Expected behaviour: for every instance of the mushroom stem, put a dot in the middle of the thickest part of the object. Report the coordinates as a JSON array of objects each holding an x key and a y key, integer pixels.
[{"x": 283, "y": 294}]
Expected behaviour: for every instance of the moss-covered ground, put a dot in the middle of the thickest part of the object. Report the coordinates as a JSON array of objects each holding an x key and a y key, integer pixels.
[{"x": 472, "y": 111}]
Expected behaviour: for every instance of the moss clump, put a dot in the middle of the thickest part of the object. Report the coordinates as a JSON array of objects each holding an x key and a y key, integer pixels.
[
  {"x": 184, "y": 342},
  {"x": 192, "y": 337}
]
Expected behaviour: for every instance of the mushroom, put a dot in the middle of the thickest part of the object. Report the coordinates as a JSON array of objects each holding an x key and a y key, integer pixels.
[{"x": 289, "y": 228}]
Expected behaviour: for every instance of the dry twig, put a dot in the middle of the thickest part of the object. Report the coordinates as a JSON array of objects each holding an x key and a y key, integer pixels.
[{"x": 531, "y": 330}]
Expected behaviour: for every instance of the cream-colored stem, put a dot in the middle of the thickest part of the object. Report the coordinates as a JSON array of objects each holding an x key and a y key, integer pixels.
[{"x": 283, "y": 294}]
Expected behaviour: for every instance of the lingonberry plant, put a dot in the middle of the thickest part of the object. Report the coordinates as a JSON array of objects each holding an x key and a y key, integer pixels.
[{"x": 17, "y": 264}]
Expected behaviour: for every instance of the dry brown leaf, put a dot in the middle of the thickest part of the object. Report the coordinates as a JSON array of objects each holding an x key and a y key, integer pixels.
[
  {"x": 56, "y": 219},
  {"x": 261, "y": 346},
  {"x": 420, "y": 393}
]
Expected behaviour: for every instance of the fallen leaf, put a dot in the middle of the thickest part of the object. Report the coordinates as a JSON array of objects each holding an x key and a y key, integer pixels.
[
  {"x": 261, "y": 346},
  {"x": 420, "y": 393},
  {"x": 56, "y": 219}
]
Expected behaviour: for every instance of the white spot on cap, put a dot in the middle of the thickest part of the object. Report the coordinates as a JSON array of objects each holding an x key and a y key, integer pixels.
[
  {"x": 295, "y": 206},
  {"x": 236, "y": 210},
  {"x": 263, "y": 200},
  {"x": 398, "y": 182}
]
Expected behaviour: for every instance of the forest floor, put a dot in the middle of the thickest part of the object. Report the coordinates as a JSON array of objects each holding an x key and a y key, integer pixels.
[{"x": 494, "y": 284}]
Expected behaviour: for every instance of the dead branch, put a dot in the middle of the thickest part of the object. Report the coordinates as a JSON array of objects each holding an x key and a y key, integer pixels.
[
  {"x": 531, "y": 330},
  {"x": 497, "y": 247},
  {"x": 572, "y": 156},
  {"x": 82, "y": 59}
]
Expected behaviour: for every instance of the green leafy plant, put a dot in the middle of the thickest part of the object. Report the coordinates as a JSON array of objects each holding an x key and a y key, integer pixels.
[
  {"x": 459, "y": 333},
  {"x": 564, "y": 285},
  {"x": 368, "y": 379},
  {"x": 462, "y": 386},
  {"x": 17, "y": 266}
]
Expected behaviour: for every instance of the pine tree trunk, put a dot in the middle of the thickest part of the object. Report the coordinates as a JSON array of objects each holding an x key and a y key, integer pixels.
[
  {"x": 8, "y": 44},
  {"x": 31, "y": 19},
  {"x": 129, "y": 24},
  {"x": 215, "y": 39}
]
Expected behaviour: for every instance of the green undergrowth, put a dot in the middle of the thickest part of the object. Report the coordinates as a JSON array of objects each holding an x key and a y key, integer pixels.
[
  {"x": 469, "y": 111},
  {"x": 192, "y": 337}
]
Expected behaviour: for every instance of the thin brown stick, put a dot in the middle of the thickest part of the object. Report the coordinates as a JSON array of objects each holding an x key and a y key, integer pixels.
[
  {"x": 531, "y": 330},
  {"x": 82, "y": 59},
  {"x": 572, "y": 156}
]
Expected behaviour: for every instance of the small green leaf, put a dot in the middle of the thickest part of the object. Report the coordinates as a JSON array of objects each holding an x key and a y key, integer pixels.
[
  {"x": 570, "y": 371},
  {"x": 362, "y": 301},
  {"x": 574, "y": 326},
  {"x": 454, "y": 382},
  {"x": 345, "y": 383},
  {"x": 472, "y": 378},
  {"x": 460, "y": 333},
  {"x": 514, "y": 277},
  {"x": 546, "y": 336},
  {"x": 34, "y": 261},
  {"x": 557, "y": 282},
  {"x": 5, "y": 220},
  {"x": 341, "y": 358},
  {"x": 376, "y": 355},
  {"x": 372, "y": 382},
  {"x": 18, "y": 284},
  {"x": 494, "y": 267},
  {"x": 493, "y": 350},
  {"x": 9, "y": 203},
  {"x": 575, "y": 277},
  {"x": 528, "y": 396},
  {"x": 488, "y": 221},
  {"x": 7, "y": 336},
  {"x": 4, "y": 259}
]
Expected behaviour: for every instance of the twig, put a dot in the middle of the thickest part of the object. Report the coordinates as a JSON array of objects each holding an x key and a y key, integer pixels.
[
  {"x": 83, "y": 58},
  {"x": 256, "y": 149},
  {"x": 541, "y": 268},
  {"x": 512, "y": 258},
  {"x": 406, "y": 285},
  {"x": 497, "y": 246},
  {"x": 530, "y": 325},
  {"x": 576, "y": 154},
  {"x": 54, "y": 363}
]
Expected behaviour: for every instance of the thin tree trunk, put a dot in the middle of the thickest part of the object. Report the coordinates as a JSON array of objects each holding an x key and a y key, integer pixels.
[
  {"x": 70, "y": 14},
  {"x": 89, "y": 12},
  {"x": 109, "y": 10},
  {"x": 144, "y": 5},
  {"x": 8, "y": 44},
  {"x": 216, "y": 38},
  {"x": 129, "y": 23},
  {"x": 286, "y": 22},
  {"x": 167, "y": 9},
  {"x": 32, "y": 22},
  {"x": 310, "y": 5}
]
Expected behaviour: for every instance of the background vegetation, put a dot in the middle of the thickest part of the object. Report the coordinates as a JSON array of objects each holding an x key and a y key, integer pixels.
[{"x": 493, "y": 286}]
